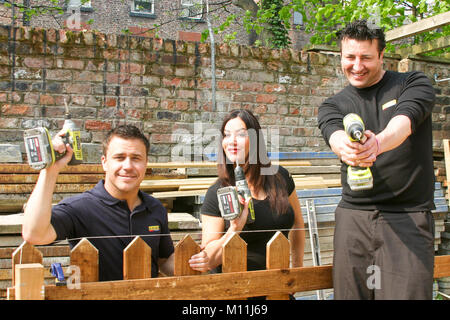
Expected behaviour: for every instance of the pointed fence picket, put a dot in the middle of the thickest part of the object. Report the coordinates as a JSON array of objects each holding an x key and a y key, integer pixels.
[{"x": 137, "y": 260}]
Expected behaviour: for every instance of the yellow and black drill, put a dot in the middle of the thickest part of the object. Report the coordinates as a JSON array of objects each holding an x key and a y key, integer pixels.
[
  {"x": 39, "y": 148},
  {"x": 358, "y": 178}
]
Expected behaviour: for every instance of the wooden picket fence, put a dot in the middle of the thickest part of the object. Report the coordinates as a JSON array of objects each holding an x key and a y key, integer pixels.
[{"x": 277, "y": 282}]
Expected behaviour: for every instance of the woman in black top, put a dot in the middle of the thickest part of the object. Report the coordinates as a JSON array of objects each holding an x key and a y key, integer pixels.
[{"x": 274, "y": 198}]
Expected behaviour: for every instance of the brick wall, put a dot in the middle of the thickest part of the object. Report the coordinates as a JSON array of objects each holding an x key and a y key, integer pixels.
[{"x": 165, "y": 86}]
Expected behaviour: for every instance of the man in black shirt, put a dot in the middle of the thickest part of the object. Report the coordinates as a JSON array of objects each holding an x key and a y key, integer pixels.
[
  {"x": 383, "y": 245},
  {"x": 110, "y": 213}
]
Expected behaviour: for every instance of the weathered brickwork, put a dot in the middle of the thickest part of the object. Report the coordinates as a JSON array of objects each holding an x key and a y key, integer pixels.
[{"x": 165, "y": 87}]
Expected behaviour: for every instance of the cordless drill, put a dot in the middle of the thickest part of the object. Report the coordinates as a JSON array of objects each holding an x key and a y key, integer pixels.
[
  {"x": 39, "y": 148},
  {"x": 229, "y": 205},
  {"x": 358, "y": 178}
]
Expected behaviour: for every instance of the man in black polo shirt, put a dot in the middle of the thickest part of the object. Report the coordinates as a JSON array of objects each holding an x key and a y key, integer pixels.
[{"x": 114, "y": 207}]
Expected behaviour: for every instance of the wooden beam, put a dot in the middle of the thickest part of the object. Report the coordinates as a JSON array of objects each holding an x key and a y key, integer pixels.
[
  {"x": 441, "y": 266},
  {"x": 205, "y": 287},
  {"x": 25, "y": 168},
  {"x": 29, "y": 281},
  {"x": 215, "y": 286},
  {"x": 429, "y": 46},
  {"x": 412, "y": 29},
  {"x": 174, "y": 165}
]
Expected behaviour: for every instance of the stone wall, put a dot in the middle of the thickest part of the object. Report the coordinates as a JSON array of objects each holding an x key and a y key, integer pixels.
[{"x": 165, "y": 87}]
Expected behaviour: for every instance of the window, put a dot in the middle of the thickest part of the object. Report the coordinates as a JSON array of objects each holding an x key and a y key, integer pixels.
[
  {"x": 144, "y": 6},
  {"x": 83, "y": 5},
  {"x": 191, "y": 9},
  {"x": 143, "y": 9},
  {"x": 298, "y": 18}
]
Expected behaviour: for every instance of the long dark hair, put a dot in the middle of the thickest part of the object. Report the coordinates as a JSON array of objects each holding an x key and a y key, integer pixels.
[{"x": 273, "y": 185}]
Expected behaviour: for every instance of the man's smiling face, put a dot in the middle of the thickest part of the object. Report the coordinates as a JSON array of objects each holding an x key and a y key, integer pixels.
[
  {"x": 125, "y": 164},
  {"x": 361, "y": 62}
]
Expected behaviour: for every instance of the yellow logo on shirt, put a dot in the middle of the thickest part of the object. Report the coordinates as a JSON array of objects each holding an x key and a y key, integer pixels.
[
  {"x": 153, "y": 228},
  {"x": 389, "y": 104}
]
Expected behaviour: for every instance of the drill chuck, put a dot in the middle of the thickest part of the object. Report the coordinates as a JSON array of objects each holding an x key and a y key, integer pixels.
[{"x": 244, "y": 191}]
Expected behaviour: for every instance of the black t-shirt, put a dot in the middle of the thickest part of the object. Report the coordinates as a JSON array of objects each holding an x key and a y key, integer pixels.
[
  {"x": 95, "y": 213},
  {"x": 403, "y": 178},
  {"x": 265, "y": 219}
]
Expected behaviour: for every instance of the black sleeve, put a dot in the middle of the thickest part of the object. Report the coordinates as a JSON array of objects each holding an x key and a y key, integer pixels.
[
  {"x": 329, "y": 118},
  {"x": 416, "y": 100},
  {"x": 210, "y": 204},
  {"x": 286, "y": 175},
  {"x": 63, "y": 221}
]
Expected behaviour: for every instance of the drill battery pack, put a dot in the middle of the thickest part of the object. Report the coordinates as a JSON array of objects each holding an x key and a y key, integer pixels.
[
  {"x": 229, "y": 205},
  {"x": 359, "y": 178},
  {"x": 39, "y": 148}
]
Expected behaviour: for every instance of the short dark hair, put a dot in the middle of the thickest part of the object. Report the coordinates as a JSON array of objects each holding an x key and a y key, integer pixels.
[
  {"x": 126, "y": 131},
  {"x": 359, "y": 30}
]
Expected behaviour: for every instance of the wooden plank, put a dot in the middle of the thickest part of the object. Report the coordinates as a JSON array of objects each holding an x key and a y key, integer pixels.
[
  {"x": 25, "y": 253},
  {"x": 184, "y": 250},
  {"x": 278, "y": 257},
  {"x": 29, "y": 281},
  {"x": 174, "y": 165},
  {"x": 176, "y": 194},
  {"x": 234, "y": 254},
  {"x": 216, "y": 286},
  {"x": 73, "y": 178},
  {"x": 302, "y": 155},
  {"x": 424, "y": 25},
  {"x": 205, "y": 287},
  {"x": 429, "y": 46},
  {"x": 62, "y": 178},
  {"x": 85, "y": 256},
  {"x": 59, "y": 188},
  {"x": 441, "y": 266},
  {"x": 25, "y": 168},
  {"x": 137, "y": 260}
]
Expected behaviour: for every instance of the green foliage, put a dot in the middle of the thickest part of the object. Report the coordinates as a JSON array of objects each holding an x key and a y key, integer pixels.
[
  {"x": 273, "y": 15},
  {"x": 323, "y": 18}
]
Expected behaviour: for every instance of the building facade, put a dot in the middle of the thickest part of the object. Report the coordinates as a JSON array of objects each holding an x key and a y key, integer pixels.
[{"x": 168, "y": 19}]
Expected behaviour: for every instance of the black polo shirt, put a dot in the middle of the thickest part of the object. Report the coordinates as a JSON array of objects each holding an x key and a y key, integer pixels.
[{"x": 95, "y": 213}]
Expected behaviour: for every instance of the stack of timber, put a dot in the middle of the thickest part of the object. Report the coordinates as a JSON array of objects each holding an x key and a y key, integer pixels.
[
  {"x": 310, "y": 170},
  {"x": 17, "y": 182}
]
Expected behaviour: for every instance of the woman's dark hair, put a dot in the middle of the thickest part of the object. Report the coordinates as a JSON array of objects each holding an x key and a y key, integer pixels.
[
  {"x": 125, "y": 131},
  {"x": 273, "y": 185},
  {"x": 359, "y": 30}
]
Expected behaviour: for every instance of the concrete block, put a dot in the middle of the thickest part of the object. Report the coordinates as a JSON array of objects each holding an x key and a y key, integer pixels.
[{"x": 10, "y": 153}]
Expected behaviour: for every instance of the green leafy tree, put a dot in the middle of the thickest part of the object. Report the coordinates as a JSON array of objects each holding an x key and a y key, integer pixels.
[{"x": 323, "y": 18}]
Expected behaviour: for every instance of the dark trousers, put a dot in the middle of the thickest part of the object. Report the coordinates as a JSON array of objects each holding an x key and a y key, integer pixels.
[{"x": 379, "y": 255}]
